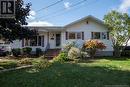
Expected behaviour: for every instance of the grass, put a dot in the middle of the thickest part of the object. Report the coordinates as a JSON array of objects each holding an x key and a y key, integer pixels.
[{"x": 93, "y": 73}]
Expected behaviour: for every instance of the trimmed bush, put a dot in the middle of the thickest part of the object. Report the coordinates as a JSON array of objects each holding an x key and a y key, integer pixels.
[
  {"x": 27, "y": 50},
  {"x": 38, "y": 51},
  {"x": 69, "y": 45},
  {"x": 62, "y": 57},
  {"x": 93, "y": 46},
  {"x": 83, "y": 55},
  {"x": 16, "y": 52},
  {"x": 25, "y": 61},
  {"x": 42, "y": 57},
  {"x": 74, "y": 53}
]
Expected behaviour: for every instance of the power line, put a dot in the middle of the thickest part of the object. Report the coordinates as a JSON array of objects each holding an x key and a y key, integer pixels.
[
  {"x": 64, "y": 9},
  {"x": 78, "y": 8},
  {"x": 49, "y": 5}
]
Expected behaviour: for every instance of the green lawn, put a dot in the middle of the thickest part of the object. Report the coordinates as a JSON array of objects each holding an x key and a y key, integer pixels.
[{"x": 96, "y": 73}]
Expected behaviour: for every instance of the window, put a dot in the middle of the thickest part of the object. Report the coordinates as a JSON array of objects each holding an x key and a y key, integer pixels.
[
  {"x": 104, "y": 35},
  {"x": 75, "y": 35},
  {"x": 39, "y": 40},
  {"x": 99, "y": 35},
  {"x": 72, "y": 35},
  {"x": 79, "y": 36},
  {"x": 26, "y": 42},
  {"x": 33, "y": 41},
  {"x": 95, "y": 35}
]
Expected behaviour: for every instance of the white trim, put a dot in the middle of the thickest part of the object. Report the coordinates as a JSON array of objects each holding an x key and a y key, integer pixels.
[
  {"x": 85, "y": 18},
  {"x": 75, "y": 35},
  {"x": 62, "y": 28}
]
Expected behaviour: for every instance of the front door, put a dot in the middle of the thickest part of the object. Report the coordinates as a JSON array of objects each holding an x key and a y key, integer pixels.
[{"x": 58, "y": 40}]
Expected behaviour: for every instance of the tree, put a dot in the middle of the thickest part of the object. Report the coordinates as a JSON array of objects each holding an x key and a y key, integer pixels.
[
  {"x": 119, "y": 28},
  {"x": 93, "y": 46},
  {"x": 12, "y": 29}
]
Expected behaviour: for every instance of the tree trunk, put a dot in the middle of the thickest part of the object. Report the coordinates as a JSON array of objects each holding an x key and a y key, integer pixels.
[
  {"x": 92, "y": 53},
  {"x": 117, "y": 52}
]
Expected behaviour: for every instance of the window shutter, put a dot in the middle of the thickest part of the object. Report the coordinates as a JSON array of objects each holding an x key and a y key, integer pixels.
[
  {"x": 82, "y": 35},
  {"x": 108, "y": 35},
  {"x": 92, "y": 35},
  {"x": 66, "y": 35},
  {"x": 22, "y": 42}
]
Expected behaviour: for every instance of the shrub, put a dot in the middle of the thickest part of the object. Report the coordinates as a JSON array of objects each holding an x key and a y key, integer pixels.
[
  {"x": 38, "y": 51},
  {"x": 126, "y": 53},
  {"x": 62, "y": 57},
  {"x": 25, "y": 61},
  {"x": 42, "y": 64},
  {"x": 27, "y": 50},
  {"x": 16, "y": 52},
  {"x": 83, "y": 54},
  {"x": 69, "y": 45},
  {"x": 93, "y": 46},
  {"x": 73, "y": 53},
  {"x": 42, "y": 57}
]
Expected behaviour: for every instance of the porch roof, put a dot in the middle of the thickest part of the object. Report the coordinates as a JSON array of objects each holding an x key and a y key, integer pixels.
[{"x": 46, "y": 28}]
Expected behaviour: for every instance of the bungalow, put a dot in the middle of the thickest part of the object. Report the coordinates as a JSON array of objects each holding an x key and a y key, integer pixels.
[{"x": 56, "y": 37}]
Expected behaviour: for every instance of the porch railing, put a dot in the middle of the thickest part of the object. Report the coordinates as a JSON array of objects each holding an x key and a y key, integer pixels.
[{"x": 47, "y": 47}]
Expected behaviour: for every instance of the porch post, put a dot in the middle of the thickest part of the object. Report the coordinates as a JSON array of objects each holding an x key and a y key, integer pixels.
[
  {"x": 29, "y": 42},
  {"x": 47, "y": 37},
  {"x": 22, "y": 42},
  {"x": 48, "y": 44},
  {"x": 37, "y": 40}
]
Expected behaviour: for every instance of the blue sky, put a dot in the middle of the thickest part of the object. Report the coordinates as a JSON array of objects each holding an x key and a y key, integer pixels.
[{"x": 62, "y": 13}]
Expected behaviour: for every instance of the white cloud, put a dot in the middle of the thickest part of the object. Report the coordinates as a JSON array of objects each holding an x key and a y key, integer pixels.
[
  {"x": 67, "y": 5},
  {"x": 32, "y": 15},
  {"x": 125, "y": 6},
  {"x": 39, "y": 23}
]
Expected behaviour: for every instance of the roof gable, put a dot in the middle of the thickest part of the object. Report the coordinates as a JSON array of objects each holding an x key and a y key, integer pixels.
[{"x": 85, "y": 18}]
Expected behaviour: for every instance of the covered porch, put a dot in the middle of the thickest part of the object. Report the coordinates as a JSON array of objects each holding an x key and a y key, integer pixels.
[{"x": 47, "y": 38}]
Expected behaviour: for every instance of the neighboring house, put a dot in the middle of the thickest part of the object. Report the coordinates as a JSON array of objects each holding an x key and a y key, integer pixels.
[{"x": 78, "y": 31}]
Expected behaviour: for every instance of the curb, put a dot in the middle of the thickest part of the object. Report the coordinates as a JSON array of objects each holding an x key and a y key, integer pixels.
[{"x": 17, "y": 68}]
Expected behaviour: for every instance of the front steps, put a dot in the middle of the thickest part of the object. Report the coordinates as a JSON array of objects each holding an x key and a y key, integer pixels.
[{"x": 51, "y": 53}]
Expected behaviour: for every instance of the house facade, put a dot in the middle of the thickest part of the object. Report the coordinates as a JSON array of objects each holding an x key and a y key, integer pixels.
[{"x": 79, "y": 31}]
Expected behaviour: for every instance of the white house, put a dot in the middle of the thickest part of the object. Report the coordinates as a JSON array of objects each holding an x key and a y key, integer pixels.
[{"x": 78, "y": 31}]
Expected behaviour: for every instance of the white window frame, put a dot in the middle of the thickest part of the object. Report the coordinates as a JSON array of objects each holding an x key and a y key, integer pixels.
[
  {"x": 101, "y": 35},
  {"x": 80, "y": 35},
  {"x": 76, "y": 38}
]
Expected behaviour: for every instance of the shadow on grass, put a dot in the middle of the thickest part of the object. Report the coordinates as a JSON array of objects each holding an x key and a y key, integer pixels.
[{"x": 66, "y": 75}]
